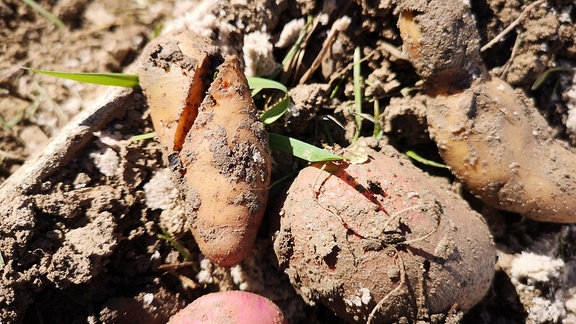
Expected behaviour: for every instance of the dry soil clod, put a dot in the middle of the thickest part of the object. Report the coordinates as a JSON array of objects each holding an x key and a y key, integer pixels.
[{"x": 215, "y": 142}]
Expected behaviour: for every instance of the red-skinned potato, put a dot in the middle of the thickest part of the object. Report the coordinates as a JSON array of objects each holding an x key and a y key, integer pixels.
[
  {"x": 213, "y": 138},
  {"x": 378, "y": 242},
  {"x": 231, "y": 307}
]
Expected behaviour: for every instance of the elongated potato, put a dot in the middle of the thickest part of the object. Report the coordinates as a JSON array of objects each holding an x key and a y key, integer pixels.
[
  {"x": 378, "y": 242},
  {"x": 214, "y": 140},
  {"x": 227, "y": 161},
  {"x": 492, "y": 137},
  {"x": 502, "y": 148}
]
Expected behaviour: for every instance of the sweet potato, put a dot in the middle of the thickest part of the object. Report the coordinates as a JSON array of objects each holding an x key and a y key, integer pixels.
[
  {"x": 378, "y": 242},
  {"x": 503, "y": 150},
  {"x": 230, "y": 307},
  {"x": 492, "y": 137},
  {"x": 215, "y": 143}
]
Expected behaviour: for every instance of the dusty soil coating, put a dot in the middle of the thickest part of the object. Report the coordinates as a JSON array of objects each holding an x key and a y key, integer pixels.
[
  {"x": 403, "y": 251},
  {"x": 79, "y": 237}
]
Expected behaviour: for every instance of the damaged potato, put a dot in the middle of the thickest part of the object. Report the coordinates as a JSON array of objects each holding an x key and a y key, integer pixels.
[
  {"x": 215, "y": 143},
  {"x": 492, "y": 137},
  {"x": 377, "y": 242}
]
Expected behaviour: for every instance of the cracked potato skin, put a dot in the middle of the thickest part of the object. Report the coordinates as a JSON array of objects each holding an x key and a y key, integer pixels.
[
  {"x": 213, "y": 138},
  {"x": 376, "y": 241}
]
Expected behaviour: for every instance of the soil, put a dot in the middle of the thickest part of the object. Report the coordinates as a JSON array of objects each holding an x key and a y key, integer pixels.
[{"x": 85, "y": 210}]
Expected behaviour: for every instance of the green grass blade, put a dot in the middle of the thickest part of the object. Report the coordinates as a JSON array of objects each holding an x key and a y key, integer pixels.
[
  {"x": 277, "y": 111},
  {"x": 257, "y": 84},
  {"x": 292, "y": 52},
  {"x": 110, "y": 79},
  {"x": 377, "y": 128},
  {"x": 357, "y": 91},
  {"x": 544, "y": 76},
  {"x": 36, "y": 7},
  {"x": 416, "y": 157},
  {"x": 184, "y": 252},
  {"x": 142, "y": 137},
  {"x": 300, "y": 149}
]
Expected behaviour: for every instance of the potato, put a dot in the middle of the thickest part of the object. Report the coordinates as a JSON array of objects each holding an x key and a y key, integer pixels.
[
  {"x": 378, "y": 242},
  {"x": 214, "y": 140},
  {"x": 492, "y": 137},
  {"x": 231, "y": 307},
  {"x": 227, "y": 161},
  {"x": 176, "y": 71},
  {"x": 441, "y": 40},
  {"x": 498, "y": 144}
]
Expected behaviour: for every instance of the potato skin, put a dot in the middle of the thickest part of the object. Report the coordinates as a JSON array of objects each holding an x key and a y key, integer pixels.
[
  {"x": 227, "y": 161},
  {"x": 376, "y": 241},
  {"x": 492, "y": 137},
  {"x": 498, "y": 144},
  {"x": 213, "y": 138},
  {"x": 175, "y": 71},
  {"x": 442, "y": 42},
  {"x": 230, "y": 307}
]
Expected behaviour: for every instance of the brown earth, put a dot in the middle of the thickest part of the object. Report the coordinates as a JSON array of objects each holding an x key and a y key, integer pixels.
[{"x": 80, "y": 222}]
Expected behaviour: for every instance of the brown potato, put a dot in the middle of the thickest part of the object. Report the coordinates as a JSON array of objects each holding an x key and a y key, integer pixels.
[
  {"x": 442, "y": 42},
  {"x": 227, "y": 161},
  {"x": 214, "y": 140},
  {"x": 378, "y": 242},
  {"x": 175, "y": 73},
  {"x": 492, "y": 137},
  {"x": 499, "y": 145}
]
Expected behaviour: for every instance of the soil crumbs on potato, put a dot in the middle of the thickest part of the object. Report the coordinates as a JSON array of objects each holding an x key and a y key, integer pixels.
[{"x": 83, "y": 245}]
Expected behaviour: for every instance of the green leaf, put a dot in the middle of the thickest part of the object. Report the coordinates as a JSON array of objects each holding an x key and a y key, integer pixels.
[
  {"x": 357, "y": 91},
  {"x": 257, "y": 84},
  {"x": 184, "y": 252},
  {"x": 142, "y": 137},
  {"x": 294, "y": 49},
  {"x": 300, "y": 149},
  {"x": 377, "y": 128},
  {"x": 45, "y": 13},
  {"x": 416, "y": 157},
  {"x": 110, "y": 79},
  {"x": 405, "y": 92},
  {"x": 544, "y": 76},
  {"x": 272, "y": 114}
]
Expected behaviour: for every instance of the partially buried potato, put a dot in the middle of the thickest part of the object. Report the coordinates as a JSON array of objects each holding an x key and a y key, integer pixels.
[
  {"x": 378, "y": 242},
  {"x": 230, "y": 307}
]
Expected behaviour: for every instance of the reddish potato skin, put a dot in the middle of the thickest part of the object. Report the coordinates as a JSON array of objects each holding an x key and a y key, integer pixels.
[
  {"x": 228, "y": 308},
  {"x": 329, "y": 242}
]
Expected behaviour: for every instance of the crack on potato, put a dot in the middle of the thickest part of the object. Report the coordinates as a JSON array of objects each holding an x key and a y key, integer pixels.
[{"x": 216, "y": 145}]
